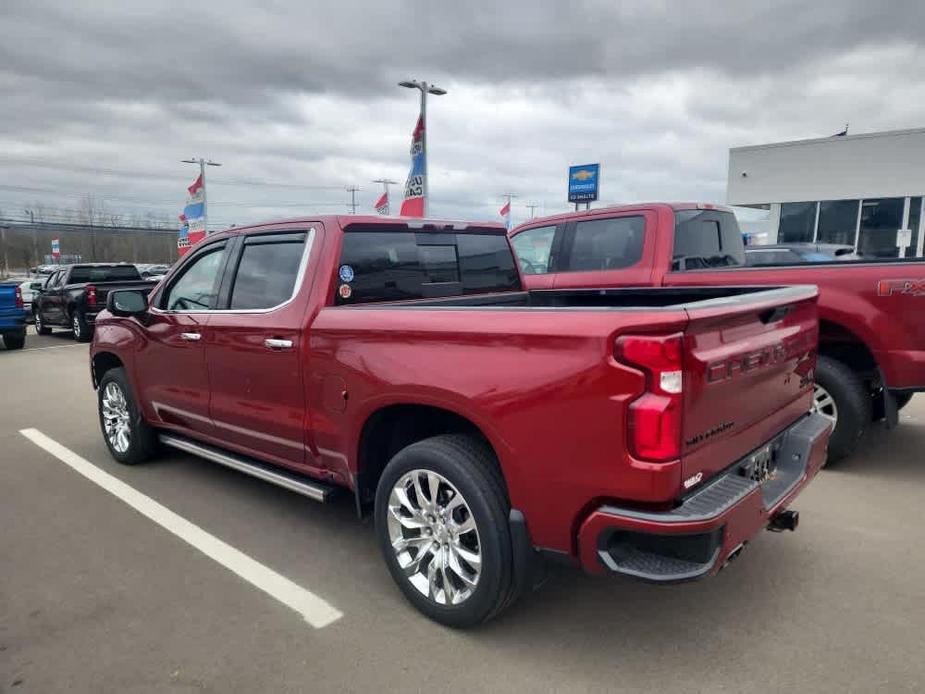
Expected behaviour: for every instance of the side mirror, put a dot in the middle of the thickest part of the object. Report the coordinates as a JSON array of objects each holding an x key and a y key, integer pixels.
[
  {"x": 127, "y": 302},
  {"x": 36, "y": 286}
]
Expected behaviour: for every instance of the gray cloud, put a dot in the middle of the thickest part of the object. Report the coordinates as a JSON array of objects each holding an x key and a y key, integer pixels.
[{"x": 304, "y": 93}]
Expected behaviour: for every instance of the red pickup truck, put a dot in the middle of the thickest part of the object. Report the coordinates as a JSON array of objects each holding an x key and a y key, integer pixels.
[
  {"x": 644, "y": 432},
  {"x": 871, "y": 314}
]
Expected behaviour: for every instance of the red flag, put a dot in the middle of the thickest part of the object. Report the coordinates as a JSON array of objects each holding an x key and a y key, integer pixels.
[
  {"x": 196, "y": 187},
  {"x": 506, "y": 210},
  {"x": 382, "y": 204}
]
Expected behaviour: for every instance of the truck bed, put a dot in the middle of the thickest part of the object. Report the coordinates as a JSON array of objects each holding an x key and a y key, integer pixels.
[
  {"x": 616, "y": 299},
  {"x": 538, "y": 372}
]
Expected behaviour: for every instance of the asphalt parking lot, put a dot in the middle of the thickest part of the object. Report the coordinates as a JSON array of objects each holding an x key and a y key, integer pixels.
[{"x": 96, "y": 597}]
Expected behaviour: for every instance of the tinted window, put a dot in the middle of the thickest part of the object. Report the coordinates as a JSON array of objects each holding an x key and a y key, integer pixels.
[
  {"x": 196, "y": 286},
  {"x": 112, "y": 273},
  {"x": 838, "y": 221},
  {"x": 267, "y": 273},
  {"x": 391, "y": 266},
  {"x": 606, "y": 244},
  {"x": 534, "y": 249},
  {"x": 797, "y": 222},
  {"x": 706, "y": 239}
]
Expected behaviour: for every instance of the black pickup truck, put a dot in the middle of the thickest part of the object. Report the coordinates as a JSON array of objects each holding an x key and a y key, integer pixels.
[{"x": 73, "y": 295}]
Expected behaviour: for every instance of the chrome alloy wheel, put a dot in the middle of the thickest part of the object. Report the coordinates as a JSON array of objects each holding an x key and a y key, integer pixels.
[
  {"x": 824, "y": 403},
  {"x": 434, "y": 537},
  {"x": 116, "y": 418}
]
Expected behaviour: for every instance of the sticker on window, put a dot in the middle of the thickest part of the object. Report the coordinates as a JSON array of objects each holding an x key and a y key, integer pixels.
[
  {"x": 344, "y": 291},
  {"x": 345, "y": 273}
]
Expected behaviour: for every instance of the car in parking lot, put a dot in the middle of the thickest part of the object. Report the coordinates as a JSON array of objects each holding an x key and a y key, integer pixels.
[
  {"x": 871, "y": 311},
  {"x": 74, "y": 294},
  {"x": 649, "y": 433},
  {"x": 12, "y": 316}
]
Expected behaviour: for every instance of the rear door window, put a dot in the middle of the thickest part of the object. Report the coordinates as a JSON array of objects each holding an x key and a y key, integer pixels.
[
  {"x": 399, "y": 265},
  {"x": 705, "y": 239},
  {"x": 534, "y": 249},
  {"x": 267, "y": 271},
  {"x": 606, "y": 244}
]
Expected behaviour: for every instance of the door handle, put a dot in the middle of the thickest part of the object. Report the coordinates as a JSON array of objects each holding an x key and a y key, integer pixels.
[
  {"x": 276, "y": 343},
  {"x": 190, "y": 337}
]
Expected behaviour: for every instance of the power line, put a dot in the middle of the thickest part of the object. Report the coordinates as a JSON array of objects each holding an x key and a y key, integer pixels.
[{"x": 106, "y": 171}]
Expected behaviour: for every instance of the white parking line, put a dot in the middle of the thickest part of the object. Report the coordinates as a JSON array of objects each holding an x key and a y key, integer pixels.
[
  {"x": 39, "y": 349},
  {"x": 316, "y": 611}
]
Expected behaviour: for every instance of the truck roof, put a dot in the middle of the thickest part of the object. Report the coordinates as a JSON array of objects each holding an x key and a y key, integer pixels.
[
  {"x": 343, "y": 221},
  {"x": 626, "y": 208}
]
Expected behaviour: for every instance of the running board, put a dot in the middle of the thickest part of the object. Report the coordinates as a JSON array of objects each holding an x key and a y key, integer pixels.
[{"x": 317, "y": 491}]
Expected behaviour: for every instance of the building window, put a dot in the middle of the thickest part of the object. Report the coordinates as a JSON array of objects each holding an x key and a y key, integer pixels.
[
  {"x": 797, "y": 222},
  {"x": 880, "y": 220},
  {"x": 838, "y": 221}
]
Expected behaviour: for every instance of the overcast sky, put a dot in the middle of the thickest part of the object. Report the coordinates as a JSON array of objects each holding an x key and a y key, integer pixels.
[{"x": 104, "y": 98}]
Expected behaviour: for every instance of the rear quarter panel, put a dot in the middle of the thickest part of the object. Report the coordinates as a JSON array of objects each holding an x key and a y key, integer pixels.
[{"x": 542, "y": 386}]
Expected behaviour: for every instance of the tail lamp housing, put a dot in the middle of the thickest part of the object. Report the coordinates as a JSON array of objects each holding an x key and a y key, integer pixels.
[
  {"x": 654, "y": 418},
  {"x": 91, "y": 295},
  {"x": 19, "y": 301}
]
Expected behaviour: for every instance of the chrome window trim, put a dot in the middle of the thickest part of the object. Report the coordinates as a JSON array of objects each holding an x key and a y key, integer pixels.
[{"x": 300, "y": 277}]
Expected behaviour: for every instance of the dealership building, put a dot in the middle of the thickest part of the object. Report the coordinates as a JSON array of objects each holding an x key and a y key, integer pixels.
[{"x": 861, "y": 190}]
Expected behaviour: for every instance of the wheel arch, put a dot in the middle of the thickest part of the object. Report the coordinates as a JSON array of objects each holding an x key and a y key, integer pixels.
[
  {"x": 843, "y": 344},
  {"x": 103, "y": 362},
  {"x": 392, "y": 427}
]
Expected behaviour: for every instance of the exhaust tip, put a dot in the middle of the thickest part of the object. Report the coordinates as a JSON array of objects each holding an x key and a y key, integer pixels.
[{"x": 785, "y": 520}]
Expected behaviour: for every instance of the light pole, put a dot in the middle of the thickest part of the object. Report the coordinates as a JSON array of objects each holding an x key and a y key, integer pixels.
[
  {"x": 425, "y": 89},
  {"x": 203, "y": 163}
]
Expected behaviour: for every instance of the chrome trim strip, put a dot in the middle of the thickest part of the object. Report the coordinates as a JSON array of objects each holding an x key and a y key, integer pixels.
[
  {"x": 313, "y": 491},
  {"x": 303, "y": 264}
]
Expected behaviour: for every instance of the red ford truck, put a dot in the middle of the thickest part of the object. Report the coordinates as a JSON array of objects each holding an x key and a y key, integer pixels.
[
  {"x": 871, "y": 313},
  {"x": 645, "y": 432}
]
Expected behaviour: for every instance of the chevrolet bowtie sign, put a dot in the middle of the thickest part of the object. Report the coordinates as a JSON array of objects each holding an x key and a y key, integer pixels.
[{"x": 584, "y": 182}]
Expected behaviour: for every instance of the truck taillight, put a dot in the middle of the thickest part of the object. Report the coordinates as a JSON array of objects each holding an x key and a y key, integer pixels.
[
  {"x": 654, "y": 418},
  {"x": 19, "y": 301},
  {"x": 91, "y": 295}
]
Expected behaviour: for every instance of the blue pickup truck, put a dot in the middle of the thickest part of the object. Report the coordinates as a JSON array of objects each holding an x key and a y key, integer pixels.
[{"x": 12, "y": 316}]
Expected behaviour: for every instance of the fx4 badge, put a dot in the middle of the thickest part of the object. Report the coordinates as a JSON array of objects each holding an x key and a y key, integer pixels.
[{"x": 891, "y": 287}]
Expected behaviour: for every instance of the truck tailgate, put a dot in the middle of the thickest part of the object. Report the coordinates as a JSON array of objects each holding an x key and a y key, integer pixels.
[
  {"x": 748, "y": 365},
  {"x": 10, "y": 313}
]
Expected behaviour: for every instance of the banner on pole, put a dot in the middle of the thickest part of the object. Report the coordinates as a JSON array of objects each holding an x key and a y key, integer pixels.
[
  {"x": 382, "y": 204},
  {"x": 506, "y": 213},
  {"x": 56, "y": 248},
  {"x": 413, "y": 204},
  {"x": 193, "y": 218}
]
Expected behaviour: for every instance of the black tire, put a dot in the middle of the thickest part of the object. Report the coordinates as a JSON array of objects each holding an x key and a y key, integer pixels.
[
  {"x": 877, "y": 410},
  {"x": 82, "y": 330},
  {"x": 14, "y": 341},
  {"x": 142, "y": 438},
  {"x": 853, "y": 404},
  {"x": 40, "y": 326},
  {"x": 470, "y": 466}
]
